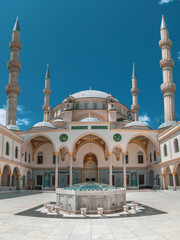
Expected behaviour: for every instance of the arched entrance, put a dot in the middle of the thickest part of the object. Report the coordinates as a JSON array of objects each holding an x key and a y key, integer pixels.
[
  {"x": 90, "y": 170},
  {"x": 5, "y": 176},
  {"x": 15, "y": 178},
  {"x": 151, "y": 178},
  {"x": 168, "y": 178}
]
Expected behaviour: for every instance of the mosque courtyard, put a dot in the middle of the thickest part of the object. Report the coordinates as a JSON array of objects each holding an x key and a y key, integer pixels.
[{"x": 20, "y": 219}]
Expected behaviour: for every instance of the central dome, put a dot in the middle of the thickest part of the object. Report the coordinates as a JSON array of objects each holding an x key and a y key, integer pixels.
[{"x": 90, "y": 94}]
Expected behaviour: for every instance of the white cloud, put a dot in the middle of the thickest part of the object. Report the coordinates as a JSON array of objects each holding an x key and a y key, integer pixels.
[
  {"x": 165, "y": 1},
  {"x": 3, "y": 115},
  {"x": 144, "y": 119},
  {"x": 20, "y": 121},
  {"x": 23, "y": 121},
  {"x": 20, "y": 109},
  {"x": 178, "y": 55}
]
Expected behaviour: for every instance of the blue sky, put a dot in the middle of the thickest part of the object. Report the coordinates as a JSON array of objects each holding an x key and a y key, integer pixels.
[{"x": 89, "y": 43}]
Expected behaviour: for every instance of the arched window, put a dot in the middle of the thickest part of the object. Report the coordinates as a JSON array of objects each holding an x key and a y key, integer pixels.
[
  {"x": 150, "y": 156},
  {"x": 165, "y": 150},
  {"x": 7, "y": 148},
  {"x": 95, "y": 105},
  {"x": 104, "y": 106},
  {"x": 40, "y": 158},
  {"x": 29, "y": 158},
  {"x": 140, "y": 157},
  {"x": 176, "y": 145},
  {"x": 25, "y": 157},
  {"x": 16, "y": 152},
  {"x": 154, "y": 155},
  {"x": 54, "y": 158},
  {"x": 77, "y": 105},
  {"x": 86, "y": 105}
]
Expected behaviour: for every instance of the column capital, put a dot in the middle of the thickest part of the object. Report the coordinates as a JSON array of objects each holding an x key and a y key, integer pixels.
[
  {"x": 174, "y": 173},
  {"x": 158, "y": 153},
  {"x": 124, "y": 153},
  {"x": 10, "y": 175},
  {"x": 19, "y": 176},
  {"x": 70, "y": 154},
  {"x": 0, "y": 173},
  {"x": 56, "y": 154},
  {"x": 163, "y": 175},
  {"x": 22, "y": 154},
  {"x": 110, "y": 154}
]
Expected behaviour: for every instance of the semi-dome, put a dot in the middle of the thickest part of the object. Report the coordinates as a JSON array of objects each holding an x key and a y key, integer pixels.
[
  {"x": 58, "y": 120},
  {"x": 90, "y": 186},
  {"x": 44, "y": 124},
  {"x": 90, "y": 94},
  {"x": 13, "y": 127},
  {"x": 167, "y": 124},
  {"x": 89, "y": 119},
  {"x": 136, "y": 123}
]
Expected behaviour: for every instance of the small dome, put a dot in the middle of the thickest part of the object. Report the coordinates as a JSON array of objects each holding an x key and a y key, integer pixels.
[
  {"x": 58, "y": 120},
  {"x": 44, "y": 124},
  {"x": 167, "y": 124},
  {"x": 136, "y": 123},
  {"x": 89, "y": 119},
  {"x": 13, "y": 127},
  {"x": 90, "y": 186}
]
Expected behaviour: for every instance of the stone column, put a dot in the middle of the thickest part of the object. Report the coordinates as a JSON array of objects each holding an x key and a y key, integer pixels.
[
  {"x": 56, "y": 170},
  {"x": 110, "y": 168},
  {"x": 19, "y": 182},
  {"x": 124, "y": 170},
  {"x": 163, "y": 181},
  {"x": 10, "y": 181},
  {"x": 0, "y": 178},
  {"x": 174, "y": 180},
  {"x": 70, "y": 168}
]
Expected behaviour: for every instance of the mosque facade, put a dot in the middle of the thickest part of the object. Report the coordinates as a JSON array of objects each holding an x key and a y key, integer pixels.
[{"x": 90, "y": 136}]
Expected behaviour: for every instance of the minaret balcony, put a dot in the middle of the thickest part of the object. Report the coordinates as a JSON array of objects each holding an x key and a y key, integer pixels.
[
  {"x": 166, "y": 63},
  {"x": 11, "y": 88},
  {"x": 14, "y": 44},
  {"x": 14, "y": 64},
  {"x": 134, "y": 90},
  {"x": 165, "y": 42},
  {"x": 135, "y": 107},
  {"x": 47, "y": 91},
  {"x": 168, "y": 87}
]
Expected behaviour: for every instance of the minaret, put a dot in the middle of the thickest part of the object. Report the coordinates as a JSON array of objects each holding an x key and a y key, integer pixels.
[
  {"x": 47, "y": 92},
  {"x": 134, "y": 91},
  {"x": 13, "y": 89},
  {"x": 168, "y": 88}
]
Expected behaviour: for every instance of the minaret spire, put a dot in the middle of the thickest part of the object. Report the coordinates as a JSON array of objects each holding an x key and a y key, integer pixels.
[
  {"x": 14, "y": 65},
  {"x": 47, "y": 92},
  {"x": 168, "y": 88},
  {"x": 134, "y": 91}
]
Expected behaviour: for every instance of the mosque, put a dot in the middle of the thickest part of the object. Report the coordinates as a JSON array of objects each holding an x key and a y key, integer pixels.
[{"x": 90, "y": 136}]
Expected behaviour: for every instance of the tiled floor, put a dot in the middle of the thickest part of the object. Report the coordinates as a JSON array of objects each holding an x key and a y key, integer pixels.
[{"x": 161, "y": 226}]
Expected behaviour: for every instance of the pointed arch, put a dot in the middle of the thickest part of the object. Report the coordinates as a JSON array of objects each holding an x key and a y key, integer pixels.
[
  {"x": 144, "y": 135},
  {"x": 38, "y": 135}
]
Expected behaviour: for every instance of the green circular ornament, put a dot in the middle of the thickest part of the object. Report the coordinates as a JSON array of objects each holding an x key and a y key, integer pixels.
[
  {"x": 63, "y": 137},
  {"x": 117, "y": 137}
]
